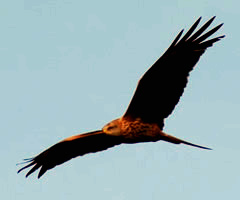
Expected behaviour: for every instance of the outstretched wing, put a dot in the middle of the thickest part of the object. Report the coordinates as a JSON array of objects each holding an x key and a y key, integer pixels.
[
  {"x": 69, "y": 148},
  {"x": 161, "y": 87}
]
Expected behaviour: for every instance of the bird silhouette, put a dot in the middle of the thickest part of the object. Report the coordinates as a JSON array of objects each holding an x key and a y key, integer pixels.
[{"x": 158, "y": 92}]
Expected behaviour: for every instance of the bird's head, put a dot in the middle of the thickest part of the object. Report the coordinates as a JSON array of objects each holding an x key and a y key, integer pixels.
[{"x": 112, "y": 128}]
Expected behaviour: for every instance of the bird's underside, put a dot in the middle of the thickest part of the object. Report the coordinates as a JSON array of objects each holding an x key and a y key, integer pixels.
[{"x": 157, "y": 94}]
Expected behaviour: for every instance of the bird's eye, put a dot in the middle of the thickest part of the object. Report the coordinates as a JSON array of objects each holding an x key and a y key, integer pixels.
[{"x": 110, "y": 128}]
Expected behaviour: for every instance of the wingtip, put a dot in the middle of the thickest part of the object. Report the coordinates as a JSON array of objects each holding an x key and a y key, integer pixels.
[
  {"x": 211, "y": 20},
  {"x": 213, "y": 17},
  {"x": 199, "y": 19},
  {"x": 218, "y": 26},
  {"x": 221, "y": 24},
  {"x": 28, "y": 174},
  {"x": 222, "y": 36},
  {"x": 39, "y": 176},
  {"x": 42, "y": 171}
]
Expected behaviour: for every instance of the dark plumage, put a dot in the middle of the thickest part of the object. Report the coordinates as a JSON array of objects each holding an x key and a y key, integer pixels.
[
  {"x": 157, "y": 94},
  {"x": 161, "y": 87},
  {"x": 70, "y": 148}
]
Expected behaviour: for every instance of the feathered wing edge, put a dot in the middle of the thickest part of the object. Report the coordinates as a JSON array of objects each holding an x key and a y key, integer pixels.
[
  {"x": 69, "y": 148},
  {"x": 195, "y": 37}
]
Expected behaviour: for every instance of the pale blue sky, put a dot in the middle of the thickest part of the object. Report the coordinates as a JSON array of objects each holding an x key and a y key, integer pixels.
[{"x": 71, "y": 66}]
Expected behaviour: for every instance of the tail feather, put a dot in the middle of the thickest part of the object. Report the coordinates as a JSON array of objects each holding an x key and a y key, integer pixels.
[{"x": 174, "y": 140}]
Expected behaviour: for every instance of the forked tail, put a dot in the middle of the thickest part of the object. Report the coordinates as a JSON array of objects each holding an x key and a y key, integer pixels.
[{"x": 174, "y": 140}]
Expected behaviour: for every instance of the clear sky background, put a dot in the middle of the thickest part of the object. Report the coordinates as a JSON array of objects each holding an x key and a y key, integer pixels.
[{"x": 70, "y": 66}]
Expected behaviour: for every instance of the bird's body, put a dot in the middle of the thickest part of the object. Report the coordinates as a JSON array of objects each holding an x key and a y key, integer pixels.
[
  {"x": 158, "y": 92},
  {"x": 133, "y": 130}
]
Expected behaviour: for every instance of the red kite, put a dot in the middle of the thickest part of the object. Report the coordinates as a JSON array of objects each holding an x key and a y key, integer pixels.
[{"x": 157, "y": 94}]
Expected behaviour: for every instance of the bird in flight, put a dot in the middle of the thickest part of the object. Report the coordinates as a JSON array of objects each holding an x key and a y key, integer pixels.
[{"x": 157, "y": 93}]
